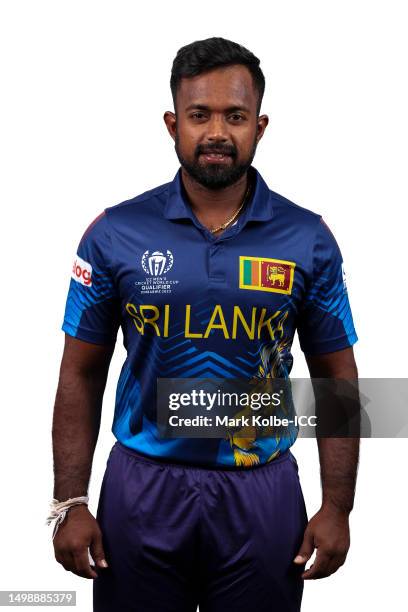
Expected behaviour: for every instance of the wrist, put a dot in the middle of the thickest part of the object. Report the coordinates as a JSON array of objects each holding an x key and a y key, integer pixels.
[
  {"x": 77, "y": 509},
  {"x": 331, "y": 507},
  {"x": 64, "y": 493},
  {"x": 59, "y": 510}
]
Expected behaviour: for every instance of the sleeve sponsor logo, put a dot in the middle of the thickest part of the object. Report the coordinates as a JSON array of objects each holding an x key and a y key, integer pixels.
[{"x": 82, "y": 272}]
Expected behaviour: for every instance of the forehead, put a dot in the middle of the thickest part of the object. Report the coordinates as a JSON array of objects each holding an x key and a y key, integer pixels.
[{"x": 229, "y": 86}]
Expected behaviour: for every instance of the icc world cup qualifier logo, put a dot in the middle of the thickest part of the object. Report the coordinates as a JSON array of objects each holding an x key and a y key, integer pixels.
[{"x": 157, "y": 263}]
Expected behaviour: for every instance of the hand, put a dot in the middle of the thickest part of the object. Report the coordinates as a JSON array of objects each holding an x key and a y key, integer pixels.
[
  {"x": 328, "y": 531},
  {"x": 78, "y": 531}
]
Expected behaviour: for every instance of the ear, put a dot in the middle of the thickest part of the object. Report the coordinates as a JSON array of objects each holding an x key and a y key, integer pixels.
[
  {"x": 170, "y": 121},
  {"x": 262, "y": 122}
]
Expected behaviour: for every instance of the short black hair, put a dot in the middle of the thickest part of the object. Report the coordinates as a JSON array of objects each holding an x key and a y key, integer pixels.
[{"x": 203, "y": 55}]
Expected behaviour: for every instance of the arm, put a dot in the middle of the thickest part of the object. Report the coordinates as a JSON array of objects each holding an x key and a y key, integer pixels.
[
  {"x": 76, "y": 421},
  {"x": 328, "y": 530}
]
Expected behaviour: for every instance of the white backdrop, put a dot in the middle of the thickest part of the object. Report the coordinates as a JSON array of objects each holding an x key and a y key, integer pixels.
[{"x": 84, "y": 88}]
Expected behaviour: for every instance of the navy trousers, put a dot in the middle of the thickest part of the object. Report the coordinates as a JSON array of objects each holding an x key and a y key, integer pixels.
[{"x": 177, "y": 536}]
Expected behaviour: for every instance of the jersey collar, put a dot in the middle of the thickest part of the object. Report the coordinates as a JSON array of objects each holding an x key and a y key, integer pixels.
[{"x": 259, "y": 208}]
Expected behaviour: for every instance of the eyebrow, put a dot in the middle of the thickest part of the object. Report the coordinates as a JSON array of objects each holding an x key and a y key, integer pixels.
[{"x": 231, "y": 109}]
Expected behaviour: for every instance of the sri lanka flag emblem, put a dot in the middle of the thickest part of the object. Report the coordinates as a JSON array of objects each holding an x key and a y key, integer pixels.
[{"x": 264, "y": 274}]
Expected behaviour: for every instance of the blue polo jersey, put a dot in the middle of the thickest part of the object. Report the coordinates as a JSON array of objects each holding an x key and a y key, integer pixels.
[{"x": 192, "y": 304}]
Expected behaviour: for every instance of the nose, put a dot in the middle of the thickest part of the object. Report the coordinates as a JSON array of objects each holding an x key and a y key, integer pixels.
[{"x": 217, "y": 129}]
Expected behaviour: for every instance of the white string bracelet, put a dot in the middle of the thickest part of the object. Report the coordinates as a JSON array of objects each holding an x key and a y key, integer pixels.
[{"x": 58, "y": 510}]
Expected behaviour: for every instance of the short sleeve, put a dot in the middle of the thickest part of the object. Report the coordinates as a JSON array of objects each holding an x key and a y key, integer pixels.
[
  {"x": 325, "y": 323},
  {"x": 92, "y": 309}
]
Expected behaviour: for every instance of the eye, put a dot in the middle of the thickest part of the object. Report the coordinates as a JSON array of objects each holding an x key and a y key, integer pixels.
[
  {"x": 236, "y": 118},
  {"x": 197, "y": 115}
]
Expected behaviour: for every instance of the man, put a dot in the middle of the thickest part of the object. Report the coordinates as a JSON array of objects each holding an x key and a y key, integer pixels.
[{"x": 208, "y": 276}]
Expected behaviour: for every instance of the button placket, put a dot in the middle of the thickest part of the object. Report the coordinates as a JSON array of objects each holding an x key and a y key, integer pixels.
[{"x": 216, "y": 268}]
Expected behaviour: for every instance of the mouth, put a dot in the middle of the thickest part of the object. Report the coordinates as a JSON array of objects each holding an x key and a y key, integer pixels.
[{"x": 215, "y": 157}]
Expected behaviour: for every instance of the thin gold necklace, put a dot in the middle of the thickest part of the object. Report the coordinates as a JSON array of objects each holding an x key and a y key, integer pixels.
[{"x": 235, "y": 215}]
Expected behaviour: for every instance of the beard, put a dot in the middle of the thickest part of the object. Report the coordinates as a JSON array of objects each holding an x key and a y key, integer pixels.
[{"x": 213, "y": 175}]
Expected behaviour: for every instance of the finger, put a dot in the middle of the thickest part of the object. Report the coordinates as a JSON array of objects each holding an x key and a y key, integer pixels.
[
  {"x": 65, "y": 559},
  {"x": 335, "y": 562},
  {"x": 319, "y": 567},
  {"x": 82, "y": 567},
  {"x": 306, "y": 550},
  {"x": 97, "y": 552}
]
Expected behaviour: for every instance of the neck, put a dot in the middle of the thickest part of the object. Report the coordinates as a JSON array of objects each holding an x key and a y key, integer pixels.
[{"x": 214, "y": 206}]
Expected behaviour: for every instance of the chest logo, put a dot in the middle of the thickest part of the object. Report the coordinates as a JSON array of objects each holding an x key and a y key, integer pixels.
[
  {"x": 157, "y": 263},
  {"x": 265, "y": 274}
]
